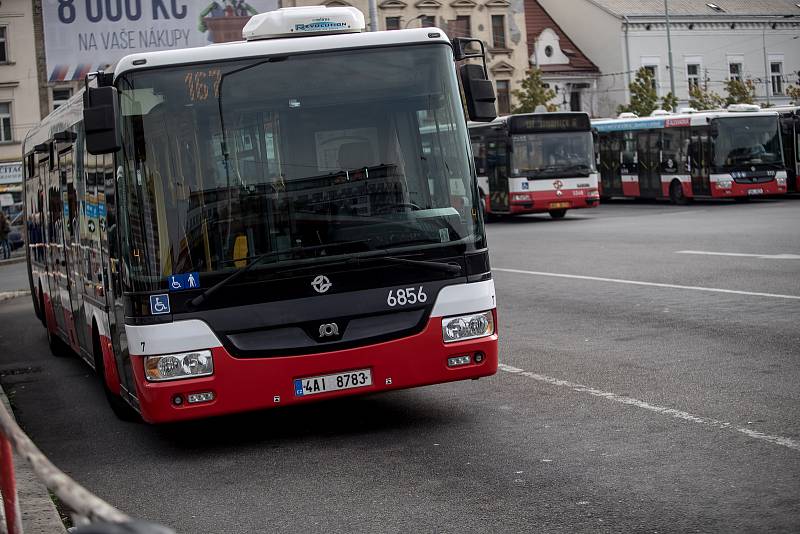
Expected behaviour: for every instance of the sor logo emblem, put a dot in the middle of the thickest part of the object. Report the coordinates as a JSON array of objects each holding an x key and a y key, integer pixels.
[
  {"x": 328, "y": 330},
  {"x": 321, "y": 284},
  {"x": 558, "y": 184}
]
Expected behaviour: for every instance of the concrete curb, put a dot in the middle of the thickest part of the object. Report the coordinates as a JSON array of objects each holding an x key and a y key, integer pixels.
[
  {"x": 8, "y": 295},
  {"x": 11, "y": 261},
  {"x": 39, "y": 514}
]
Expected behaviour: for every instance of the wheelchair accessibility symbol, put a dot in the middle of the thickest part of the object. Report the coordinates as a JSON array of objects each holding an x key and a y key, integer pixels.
[{"x": 159, "y": 304}]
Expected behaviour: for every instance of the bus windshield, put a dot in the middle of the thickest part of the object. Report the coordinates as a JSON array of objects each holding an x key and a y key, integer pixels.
[
  {"x": 545, "y": 155},
  {"x": 300, "y": 158},
  {"x": 747, "y": 141}
]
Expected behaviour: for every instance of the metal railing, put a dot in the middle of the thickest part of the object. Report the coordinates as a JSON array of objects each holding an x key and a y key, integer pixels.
[{"x": 87, "y": 508}]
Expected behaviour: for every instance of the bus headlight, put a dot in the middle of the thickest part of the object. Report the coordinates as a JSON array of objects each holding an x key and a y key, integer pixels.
[
  {"x": 177, "y": 366},
  {"x": 725, "y": 184},
  {"x": 781, "y": 180},
  {"x": 469, "y": 326}
]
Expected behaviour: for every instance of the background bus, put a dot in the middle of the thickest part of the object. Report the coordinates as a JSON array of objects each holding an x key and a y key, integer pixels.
[
  {"x": 213, "y": 236},
  {"x": 535, "y": 163},
  {"x": 721, "y": 154},
  {"x": 790, "y": 133}
]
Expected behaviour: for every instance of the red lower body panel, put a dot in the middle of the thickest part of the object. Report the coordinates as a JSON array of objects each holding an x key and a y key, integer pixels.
[
  {"x": 242, "y": 384},
  {"x": 743, "y": 190},
  {"x": 630, "y": 189},
  {"x": 544, "y": 201}
]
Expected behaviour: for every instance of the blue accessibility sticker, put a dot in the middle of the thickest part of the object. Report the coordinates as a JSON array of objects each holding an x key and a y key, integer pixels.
[
  {"x": 159, "y": 304},
  {"x": 180, "y": 282},
  {"x": 298, "y": 388}
]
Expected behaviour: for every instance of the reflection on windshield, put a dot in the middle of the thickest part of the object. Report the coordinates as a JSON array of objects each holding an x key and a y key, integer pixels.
[
  {"x": 747, "y": 141},
  {"x": 321, "y": 155},
  {"x": 544, "y": 155}
]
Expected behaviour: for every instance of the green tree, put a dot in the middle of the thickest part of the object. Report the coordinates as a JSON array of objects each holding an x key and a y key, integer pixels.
[
  {"x": 793, "y": 92},
  {"x": 702, "y": 98},
  {"x": 669, "y": 102},
  {"x": 533, "y": 94},
  {"x": 740, "y": 92},
  {"x": 644, "y": 98}
]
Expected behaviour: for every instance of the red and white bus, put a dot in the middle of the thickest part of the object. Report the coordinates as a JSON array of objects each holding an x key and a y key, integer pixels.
[
  {"x": 253, "y": 224},
  {"x": 535, "y": 163},
  {"x": 734, "y": 153},
  {"x": 790, "y": 133}
]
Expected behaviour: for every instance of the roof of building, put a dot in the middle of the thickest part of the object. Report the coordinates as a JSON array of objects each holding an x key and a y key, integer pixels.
[
  {"x": 536, "y": 21},
  {"x": 699, "y": 8}
]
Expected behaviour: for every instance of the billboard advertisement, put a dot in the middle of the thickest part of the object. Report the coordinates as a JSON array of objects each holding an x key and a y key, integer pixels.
[{"x": 82, "y": 36}]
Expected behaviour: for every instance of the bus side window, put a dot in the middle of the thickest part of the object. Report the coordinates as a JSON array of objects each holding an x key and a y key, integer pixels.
[
  {"x": 628, "y": 154},
  {"x": 479, "y": 153}
]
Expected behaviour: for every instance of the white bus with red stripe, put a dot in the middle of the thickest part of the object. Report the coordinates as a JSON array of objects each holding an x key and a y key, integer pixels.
[
  {"x": 535, "y": 163},
  {"x": 268, "y": 222},
  {"x": 734, "y": 153}
]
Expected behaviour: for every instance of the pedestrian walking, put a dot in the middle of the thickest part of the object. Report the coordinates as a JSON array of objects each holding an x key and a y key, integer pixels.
[{"x": 5, "y": 229}]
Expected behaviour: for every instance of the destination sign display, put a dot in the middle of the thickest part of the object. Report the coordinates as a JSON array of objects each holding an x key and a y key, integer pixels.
[{"x": 549, "y": 122}]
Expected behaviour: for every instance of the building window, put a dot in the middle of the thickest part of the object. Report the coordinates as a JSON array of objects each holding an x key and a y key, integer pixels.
[
  {"x": 60, "y": 96},
  {"x": 461, "y": 26},
  {"x": 498, "y": 31},
  {"x": 693, "y": 75},
  {"x": 392, "y": 23},
  {"x": 653, "y": 70},
  {"x": 735, "y": 70},
  {"x": 3, "y": 44},
  {"x": 5, "y": 122},
  {"x": 776, "y": 75},
  {"x": 503, "y": 97},
  {"x": 428, "y": 21}
]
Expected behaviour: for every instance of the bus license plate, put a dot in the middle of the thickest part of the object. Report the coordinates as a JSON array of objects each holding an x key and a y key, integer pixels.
[
  {"x": 558, "y": 205},
  {"x": 755, "y": 191},
  {"x": 303, "y": 387}
]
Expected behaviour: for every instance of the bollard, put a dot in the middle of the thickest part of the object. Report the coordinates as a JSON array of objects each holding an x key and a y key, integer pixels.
[{"x": 8, "y": 487}]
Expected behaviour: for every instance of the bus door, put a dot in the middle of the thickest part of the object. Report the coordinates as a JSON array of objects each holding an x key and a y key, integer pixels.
[
  {"x": 699, "y": 158},
  {"x": 71, "y": 257},
  {"x": 497, "y": 167},
  {"x": 610, "y": 146},
  {"x": 647, "y": 147},
  {"x": 790, "y": 134}
]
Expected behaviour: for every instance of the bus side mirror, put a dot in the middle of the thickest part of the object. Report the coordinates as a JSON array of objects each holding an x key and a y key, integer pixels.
[
  {"x": 479, "y": 93},
  {"x": 100, "y": 114}
]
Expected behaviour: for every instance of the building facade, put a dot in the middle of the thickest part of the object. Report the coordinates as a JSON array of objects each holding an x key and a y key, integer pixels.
[
  {"x": 711, "y": 43},
  {"x": 500, "y": 24},
  {"x": 565, "y": 68},
  {"x": 19, "y": 106}
]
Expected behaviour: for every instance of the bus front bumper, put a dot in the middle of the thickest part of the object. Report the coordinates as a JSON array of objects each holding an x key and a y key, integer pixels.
[
  {"x": 544, "y": 201},
  {"x": 244, "y": 384}
]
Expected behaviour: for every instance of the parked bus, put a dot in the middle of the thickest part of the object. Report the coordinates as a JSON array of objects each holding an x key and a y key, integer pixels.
[
  {"x": 790, "y": 133},
  {"x": 722, "y": 154},
  {"x": 254, "y": 224},
  {"x": 535, "y": 163}
]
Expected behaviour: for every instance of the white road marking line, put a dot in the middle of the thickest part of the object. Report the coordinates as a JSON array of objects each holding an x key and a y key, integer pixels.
[
  {"x": 671, "y": 412},
  {"x": 742, "y": 255},
  {"x": 651, "y": 284}
]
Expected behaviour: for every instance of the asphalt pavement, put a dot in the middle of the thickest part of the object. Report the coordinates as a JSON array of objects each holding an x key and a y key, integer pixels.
[
  {"x": 649, "y": 383},
  {"x": 13, "y": 277}
]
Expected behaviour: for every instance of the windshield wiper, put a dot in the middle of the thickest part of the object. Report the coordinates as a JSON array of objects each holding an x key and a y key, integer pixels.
[
  {"x": 450, "y": 268},
  {"x": 205, "y": 295}
]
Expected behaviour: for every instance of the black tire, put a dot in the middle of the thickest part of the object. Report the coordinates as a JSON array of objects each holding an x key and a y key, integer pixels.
[
  {"x": 58, "y": 348},
  {"x": 121, "y": 409},
  {"x": 676, "y": 193},
  {"x": 558, "y": 214},
  {"x": 43, "y": 316}
]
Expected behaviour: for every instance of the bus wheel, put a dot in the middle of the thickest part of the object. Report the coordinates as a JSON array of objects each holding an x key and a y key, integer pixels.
[
  {"x": 558, "y": 214},
  {"x": 57, "y": 346},
  {"x": 121, "y": 409},
  {"x": 676, "y": 193}
]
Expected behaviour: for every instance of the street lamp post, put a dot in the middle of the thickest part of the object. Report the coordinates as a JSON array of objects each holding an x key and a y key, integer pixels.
[
  {"x": 669, "y": 50},
  {"x": 418, "y": 17}
]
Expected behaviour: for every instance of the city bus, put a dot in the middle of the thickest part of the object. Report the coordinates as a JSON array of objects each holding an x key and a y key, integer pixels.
[
  {"x": 253, "y": 224},
  {"x": 535, "y": 163},
  {"x": 734, "y": 153},
  {"x": 790, "y": 133}
]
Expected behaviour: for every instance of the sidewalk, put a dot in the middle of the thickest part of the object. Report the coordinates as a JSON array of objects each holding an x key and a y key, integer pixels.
[
  {"x": 39, "y": 514},
  {"x": 16, "y": 257}
]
